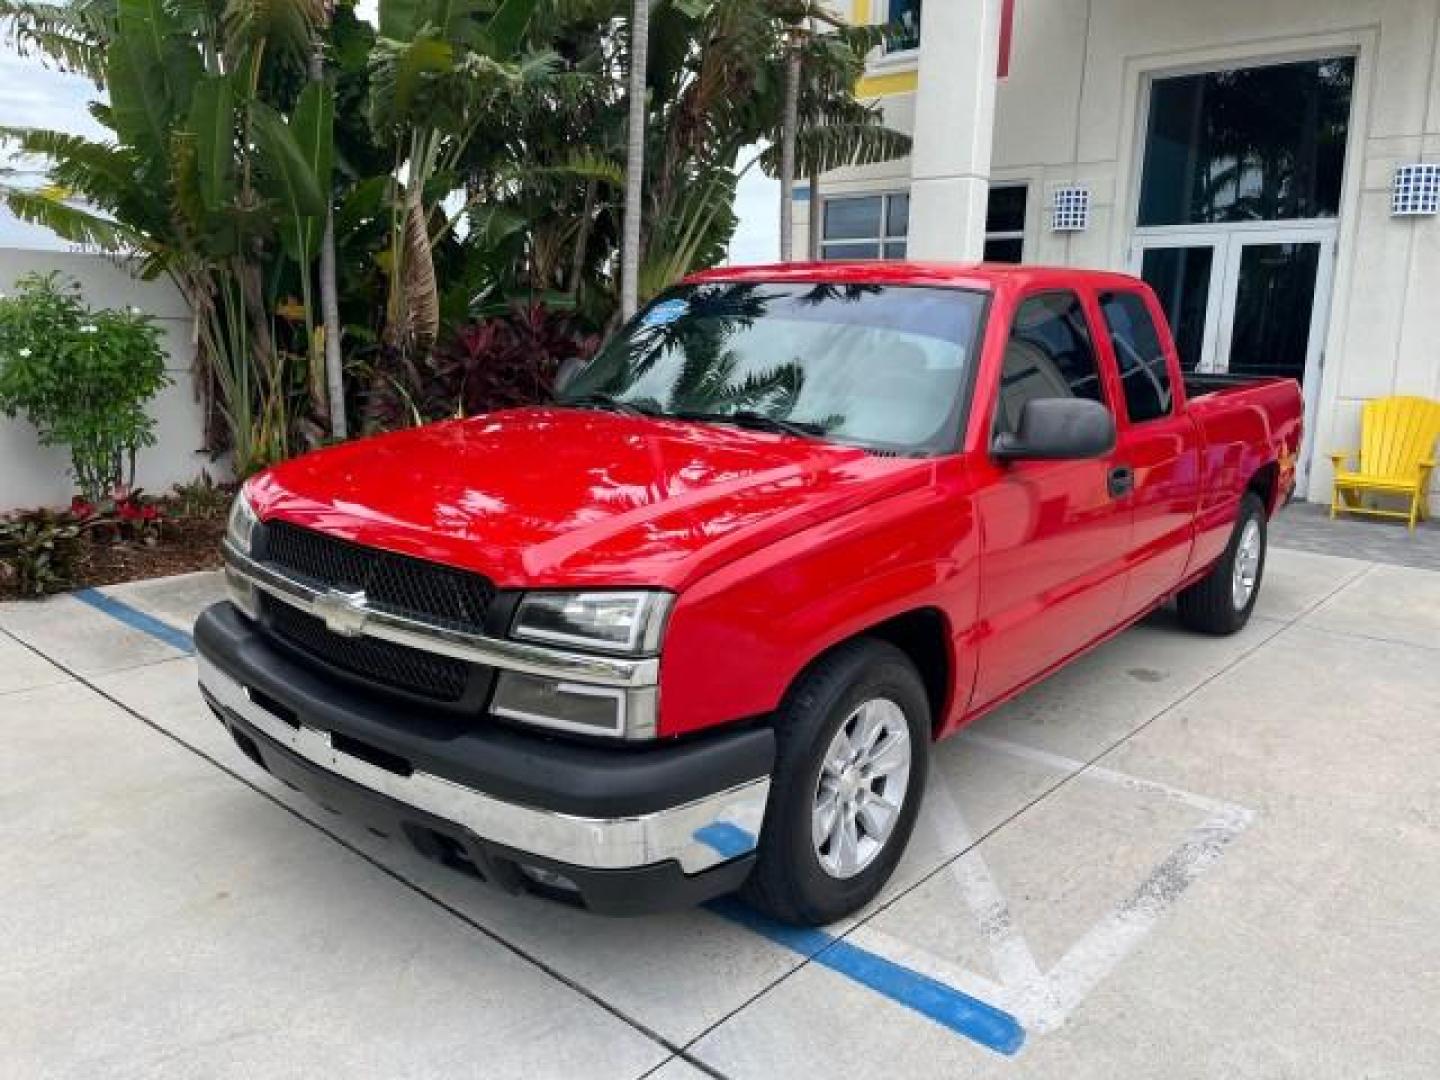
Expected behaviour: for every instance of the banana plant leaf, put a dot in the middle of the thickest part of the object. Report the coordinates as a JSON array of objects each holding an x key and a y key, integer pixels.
[
  {"x": 297, "y": 159},
  {"x": 212, "y": 122}
]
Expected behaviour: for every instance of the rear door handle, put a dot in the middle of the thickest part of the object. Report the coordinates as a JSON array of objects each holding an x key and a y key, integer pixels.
[{"x": 1122, "y": 481}]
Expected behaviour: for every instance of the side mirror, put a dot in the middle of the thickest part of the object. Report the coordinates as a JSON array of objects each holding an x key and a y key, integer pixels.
[
  {"x": 1058, "y": 429},
  {"x": 566, "y": 372}
]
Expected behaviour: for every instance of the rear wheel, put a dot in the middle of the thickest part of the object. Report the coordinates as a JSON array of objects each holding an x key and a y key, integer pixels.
[
  {"x": 1221, "y": 602},
  {"x": 853, "y": 742}
]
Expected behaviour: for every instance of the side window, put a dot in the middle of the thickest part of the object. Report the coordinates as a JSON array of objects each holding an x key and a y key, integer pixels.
[
  {"x": 1049, "y": 355},
  {"x": 1139, "y": 355}
]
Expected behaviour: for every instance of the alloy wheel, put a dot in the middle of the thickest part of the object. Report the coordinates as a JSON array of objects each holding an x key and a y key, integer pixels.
[
  {"x": 1247, "y": 565},
  {"x": 861, "y": 789}
]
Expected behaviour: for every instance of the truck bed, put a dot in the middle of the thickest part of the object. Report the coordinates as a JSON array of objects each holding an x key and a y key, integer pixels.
[{"x": 1198, "y": 384}]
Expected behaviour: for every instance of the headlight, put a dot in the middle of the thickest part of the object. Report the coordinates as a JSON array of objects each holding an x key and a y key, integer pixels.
[
  {"x": 240, "y": 532},
  {"x": 631, "y": 623},
  {"x": 240, "y": 528}
]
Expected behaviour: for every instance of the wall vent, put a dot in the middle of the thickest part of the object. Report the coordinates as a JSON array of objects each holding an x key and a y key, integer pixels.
[
  {"x": 1070, "y": 209},
  {"x": 1415, "y": 190}
]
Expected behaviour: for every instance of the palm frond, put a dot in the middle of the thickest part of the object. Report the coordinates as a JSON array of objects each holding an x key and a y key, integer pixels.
[
  {"x": 836, "y": 146},
  {"x": 69, "y": 222},
  {"x": 73, "y": 36},
  {"x": 109, "y": 177},
  {"x": 694, "y": 236},
  {"x": 581, "y": 165},
  {"x": 62, "y": 146},
  {"x": 285, "y": 26},
  {"x": 774, "y": 391}
]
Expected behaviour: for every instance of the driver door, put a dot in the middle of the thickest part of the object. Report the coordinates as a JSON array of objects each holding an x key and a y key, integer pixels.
[{"x": 1053, "y": 534}]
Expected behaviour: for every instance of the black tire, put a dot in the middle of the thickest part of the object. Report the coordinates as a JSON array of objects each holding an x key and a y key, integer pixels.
[
  {"x": 1209, "y": 606},
  {"x": 788, "y": 882}
]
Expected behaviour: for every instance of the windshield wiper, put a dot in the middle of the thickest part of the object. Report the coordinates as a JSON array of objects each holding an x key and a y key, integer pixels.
[
  {"x": 607, "y": 403},
  {"x": 756, "y": 421},
  {"x": 745, "y": 418}
]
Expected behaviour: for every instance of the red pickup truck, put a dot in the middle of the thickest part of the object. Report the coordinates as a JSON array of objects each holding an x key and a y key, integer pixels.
[{"x": 693, "y": 627}]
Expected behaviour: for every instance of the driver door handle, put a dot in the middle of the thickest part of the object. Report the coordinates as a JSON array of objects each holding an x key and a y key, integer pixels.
[{"x": 1122, "y": 481}]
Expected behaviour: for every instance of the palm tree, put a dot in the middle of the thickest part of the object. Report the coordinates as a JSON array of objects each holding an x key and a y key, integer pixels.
[
  {"x": 822, "y": 126},
  {"x": 634, "y": 159},
  {"x": 329, "y": 291},
  {"x": 720, "y": 75},
  {"x": 790, "y": 122},
  {"x": 434, "y": 74}
]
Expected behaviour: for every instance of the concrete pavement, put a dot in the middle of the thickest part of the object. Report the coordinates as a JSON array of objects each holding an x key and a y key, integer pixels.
[{"x": 1181, "y": 856}]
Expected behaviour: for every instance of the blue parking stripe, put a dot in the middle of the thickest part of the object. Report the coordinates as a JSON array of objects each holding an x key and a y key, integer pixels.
[
  {"x": 136, "y": 619},
  {"x": 725, "y": 839},
  {"x": 983, "y": 1023}
]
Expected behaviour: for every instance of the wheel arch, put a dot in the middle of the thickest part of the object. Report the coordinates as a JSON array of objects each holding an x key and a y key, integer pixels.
[
  {"x": 1265, "y": 482},
  {"x": 923, "y": 635}
]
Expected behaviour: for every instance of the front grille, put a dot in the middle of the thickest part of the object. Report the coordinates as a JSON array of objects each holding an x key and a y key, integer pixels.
[
  {"x": 424, "y": 674},
  {"x": 439, "y": 595}
]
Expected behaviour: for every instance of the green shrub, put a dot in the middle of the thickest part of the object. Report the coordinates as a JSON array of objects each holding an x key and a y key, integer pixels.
[
  {"x": 201, "y": 498},
  {"x": 82, "y": 377},
  {"x": 39, "y": 549}
]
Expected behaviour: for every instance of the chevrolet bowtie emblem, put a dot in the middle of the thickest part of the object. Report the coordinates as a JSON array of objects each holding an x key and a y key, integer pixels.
[{"x": 344, "y": 612}]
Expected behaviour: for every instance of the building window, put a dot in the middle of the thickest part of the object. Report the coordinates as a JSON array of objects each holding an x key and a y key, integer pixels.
[
  {"x": 1248, "y": 144},
  {"x": 904, "y": 15},
  {"x": 1005, "y": 223},
  {"x": 865, "y": 227}
]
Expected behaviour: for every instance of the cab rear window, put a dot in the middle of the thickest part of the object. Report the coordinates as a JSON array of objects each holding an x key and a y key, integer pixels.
[{"x": 1139, "y": 355}]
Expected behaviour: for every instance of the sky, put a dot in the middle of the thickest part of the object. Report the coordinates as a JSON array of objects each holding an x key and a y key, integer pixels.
[
  {"x": 32, "y": 96},
  {"x": 757, "y": 205}
]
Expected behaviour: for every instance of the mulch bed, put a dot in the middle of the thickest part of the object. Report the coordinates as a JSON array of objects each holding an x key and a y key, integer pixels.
[{"x": 185, "y": 544}]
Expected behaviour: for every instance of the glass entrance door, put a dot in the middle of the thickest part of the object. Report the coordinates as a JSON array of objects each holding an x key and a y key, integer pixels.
[
  {"x": 1187, "y": 273},
  {"x": 1249, "y": 301},
  {"x": 1240, "y": 186},
  {"x": 1270, "y": 301}
]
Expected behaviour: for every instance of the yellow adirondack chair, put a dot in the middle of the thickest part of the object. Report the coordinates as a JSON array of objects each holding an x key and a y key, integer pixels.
[{"x": 1397, "y": 455}]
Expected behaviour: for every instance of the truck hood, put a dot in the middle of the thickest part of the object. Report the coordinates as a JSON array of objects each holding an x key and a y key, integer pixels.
[{"x": 555, "y": 497}]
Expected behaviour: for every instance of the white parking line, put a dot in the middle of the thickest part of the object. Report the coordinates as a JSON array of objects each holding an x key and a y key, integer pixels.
[{"x": 1044, "y": 1000}]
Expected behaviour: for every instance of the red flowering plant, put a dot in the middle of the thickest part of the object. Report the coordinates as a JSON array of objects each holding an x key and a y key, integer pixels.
[
  {"x": 500, "y": 362},
  {"x": 126, "y": 516}
]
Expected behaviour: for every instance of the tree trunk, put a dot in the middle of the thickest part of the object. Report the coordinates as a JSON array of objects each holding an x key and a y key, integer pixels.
[
  {"x": 422, "y": 291},
  {"x": 329, "y": 292},
  {"x": 790, "y": 123},
  {"x": 582, "y": 240},
  {"x": 812, "y": 239},
  {"x": 634, "y": 160},
  {"x": 330, "y": 315}
]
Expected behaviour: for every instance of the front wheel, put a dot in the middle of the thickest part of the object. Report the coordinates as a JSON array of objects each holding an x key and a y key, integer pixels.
[
  {"x": 1221, "y": 602},
  {"x": 853, "y": 739}
]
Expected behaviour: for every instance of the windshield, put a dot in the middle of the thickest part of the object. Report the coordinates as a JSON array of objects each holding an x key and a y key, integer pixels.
[{"x": 878, "y": 366}]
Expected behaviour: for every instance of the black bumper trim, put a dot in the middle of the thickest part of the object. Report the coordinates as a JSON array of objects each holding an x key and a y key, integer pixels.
[
  {"x": 530, "y": 769},
  {"x": 639, "y": 891}
]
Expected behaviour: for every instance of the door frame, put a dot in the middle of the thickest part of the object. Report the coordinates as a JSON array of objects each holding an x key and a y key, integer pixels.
[
  {"x": 1228, "y": 243},
  {"x": 1141, "y": 70},
  {"x": 1190, "y": 237},
  {"x": 1280, "y": 233}
]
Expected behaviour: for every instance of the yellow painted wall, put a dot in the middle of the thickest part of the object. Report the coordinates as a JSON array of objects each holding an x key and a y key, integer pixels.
[{"x": 874, "y": 86}]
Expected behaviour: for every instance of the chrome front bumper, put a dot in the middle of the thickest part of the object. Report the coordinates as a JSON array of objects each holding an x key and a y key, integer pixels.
[{"x": 697, "y": 835}]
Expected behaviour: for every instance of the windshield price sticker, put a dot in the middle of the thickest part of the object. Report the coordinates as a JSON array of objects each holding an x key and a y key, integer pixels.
[{"x": 665, "y": 313}]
